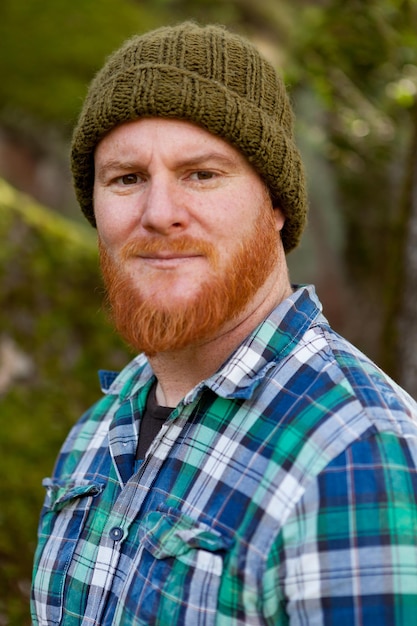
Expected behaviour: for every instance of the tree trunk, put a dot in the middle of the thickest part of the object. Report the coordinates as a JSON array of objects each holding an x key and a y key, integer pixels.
[
  {"x": 399, "y": 335},
  {"x": 408, "y": 317}
]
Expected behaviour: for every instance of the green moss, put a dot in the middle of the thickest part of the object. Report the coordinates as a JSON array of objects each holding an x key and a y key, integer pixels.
[{"x": 52, "y": 322}]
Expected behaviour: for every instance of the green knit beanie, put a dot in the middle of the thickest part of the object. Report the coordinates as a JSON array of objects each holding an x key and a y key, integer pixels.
[{"x": 209, "y": 76}]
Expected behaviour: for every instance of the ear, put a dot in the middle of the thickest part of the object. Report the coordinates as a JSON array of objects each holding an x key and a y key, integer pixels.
[{"x": 279, "y": 218}]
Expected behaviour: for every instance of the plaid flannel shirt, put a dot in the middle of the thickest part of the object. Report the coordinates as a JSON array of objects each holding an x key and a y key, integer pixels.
[{"x": 282, "y": 490}]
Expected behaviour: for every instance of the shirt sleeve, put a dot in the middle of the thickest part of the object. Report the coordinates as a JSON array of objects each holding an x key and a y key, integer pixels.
[{"x": 347, "y": 555}]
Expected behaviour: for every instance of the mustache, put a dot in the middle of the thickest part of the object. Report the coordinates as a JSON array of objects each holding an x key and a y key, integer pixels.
[{"x": 184, "y": 244}]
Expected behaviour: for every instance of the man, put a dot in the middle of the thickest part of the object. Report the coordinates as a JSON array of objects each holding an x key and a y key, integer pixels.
[{"x": 250, "y": 466}]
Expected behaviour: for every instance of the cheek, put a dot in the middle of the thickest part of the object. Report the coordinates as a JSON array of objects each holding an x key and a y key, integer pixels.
[{"x": 114, "y": 222}]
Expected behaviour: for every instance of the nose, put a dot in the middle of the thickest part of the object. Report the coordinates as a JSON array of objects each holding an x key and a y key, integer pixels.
[{"x": 164, "y": 210}]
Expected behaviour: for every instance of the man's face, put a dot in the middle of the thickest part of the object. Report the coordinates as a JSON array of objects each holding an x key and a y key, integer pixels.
[{"x": 187, "y": 232}]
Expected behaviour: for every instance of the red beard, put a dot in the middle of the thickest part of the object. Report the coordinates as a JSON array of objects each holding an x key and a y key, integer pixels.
[{"x": 152, "y": 327}]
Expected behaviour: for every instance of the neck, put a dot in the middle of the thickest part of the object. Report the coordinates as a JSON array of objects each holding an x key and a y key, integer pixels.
[{"x": 179, "y": 371}]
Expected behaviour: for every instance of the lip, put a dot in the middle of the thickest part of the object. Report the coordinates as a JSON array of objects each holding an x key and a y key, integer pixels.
[
  {"x": 169, "y": 255},
  {"x": 168, "y": 259}
]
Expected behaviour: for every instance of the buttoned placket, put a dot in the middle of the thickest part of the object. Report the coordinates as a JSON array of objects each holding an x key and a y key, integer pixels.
[{"x": 129, "y": 503}]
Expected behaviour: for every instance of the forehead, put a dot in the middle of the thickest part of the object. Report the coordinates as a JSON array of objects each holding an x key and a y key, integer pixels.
[{"x": 170, "y": 135}]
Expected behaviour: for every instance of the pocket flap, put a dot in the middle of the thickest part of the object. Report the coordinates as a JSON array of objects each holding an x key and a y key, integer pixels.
[
  {"x": 170, "y": 533},
  {"x": 61, "y": 492}
]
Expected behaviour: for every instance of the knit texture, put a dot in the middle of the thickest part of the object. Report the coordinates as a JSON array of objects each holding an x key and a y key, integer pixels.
[{"x": 209, "y": 76}]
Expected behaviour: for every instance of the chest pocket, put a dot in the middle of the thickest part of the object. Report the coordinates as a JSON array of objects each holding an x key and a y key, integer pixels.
[
  {"x": 64, "y": 511},
  {"x": 180, "y": 570}
]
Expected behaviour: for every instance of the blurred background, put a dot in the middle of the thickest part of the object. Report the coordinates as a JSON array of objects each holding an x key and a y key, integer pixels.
[{"x": 351, "y": 67}]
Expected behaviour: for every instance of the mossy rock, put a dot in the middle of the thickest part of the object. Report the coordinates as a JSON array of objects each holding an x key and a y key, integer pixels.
[{"x": 54, "y": 336}]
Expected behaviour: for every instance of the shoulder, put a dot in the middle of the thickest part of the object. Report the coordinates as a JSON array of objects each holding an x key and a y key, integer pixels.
[
  {"x": 324, "y": 397},
  {"x": 89, "y": 435},
  {"x": 387, "y": 405},
  {"x": 326, "y": 375}
]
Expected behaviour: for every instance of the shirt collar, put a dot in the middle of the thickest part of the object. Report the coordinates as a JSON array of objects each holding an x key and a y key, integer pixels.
[
  {"x": 266, "y": 346},
  {"x": 269, "y": 343},
  {"x": 125, "y": 383}
]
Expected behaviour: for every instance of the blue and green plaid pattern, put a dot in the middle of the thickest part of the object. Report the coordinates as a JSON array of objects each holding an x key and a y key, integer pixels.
[{"x": 282, "y": 490}]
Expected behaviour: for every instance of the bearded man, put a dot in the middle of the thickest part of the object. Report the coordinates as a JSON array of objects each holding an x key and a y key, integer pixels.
[{"x": 249, "y": 466}]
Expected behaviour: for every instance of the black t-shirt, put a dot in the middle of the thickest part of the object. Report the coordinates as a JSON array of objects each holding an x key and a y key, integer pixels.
[{"x": 152, "y": 421}]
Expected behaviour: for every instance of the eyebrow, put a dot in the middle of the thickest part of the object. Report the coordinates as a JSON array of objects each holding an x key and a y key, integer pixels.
[
  {"x": 196, "y": 160},
  {"x": 192, "y": 161},
  {"x": 114, "y": 165}
]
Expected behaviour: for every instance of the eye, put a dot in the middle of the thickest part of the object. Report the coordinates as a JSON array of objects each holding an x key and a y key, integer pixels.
[
  {"x": 129, "y": 179},
  {"x": 202, "y": 175}
]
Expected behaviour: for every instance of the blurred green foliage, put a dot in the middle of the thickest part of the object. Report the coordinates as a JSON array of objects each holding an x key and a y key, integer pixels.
[
  {"x": 53, "y": 47},
  {"x": 52, "y": 323}
]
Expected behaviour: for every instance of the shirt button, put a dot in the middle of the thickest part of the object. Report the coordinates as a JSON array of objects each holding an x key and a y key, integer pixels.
[{"x": 116, "y": 533}]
